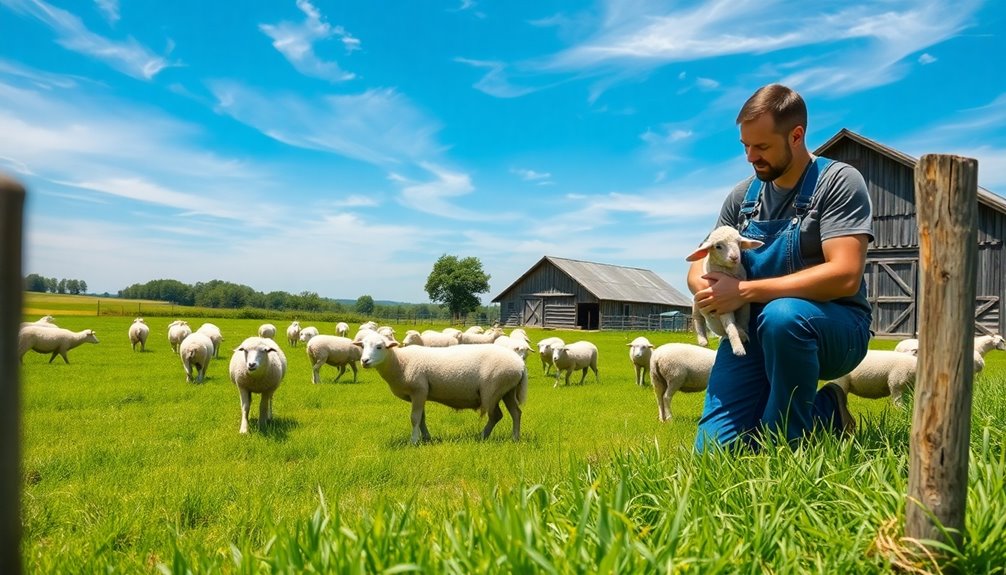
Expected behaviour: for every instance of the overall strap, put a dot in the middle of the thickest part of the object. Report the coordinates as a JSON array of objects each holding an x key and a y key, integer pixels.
[
  {"x": 808, "y": 185},
  {"x": 752, "y": 199}
]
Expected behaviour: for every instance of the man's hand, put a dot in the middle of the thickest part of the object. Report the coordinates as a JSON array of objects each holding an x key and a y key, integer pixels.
[{"x": 722, "y": 296}]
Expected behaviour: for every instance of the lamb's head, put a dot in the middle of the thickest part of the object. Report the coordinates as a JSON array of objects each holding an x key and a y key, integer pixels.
[
  {"x": 256, "y": 352},
  {"x": 46, "y": 319},
  {"x": 139, "y": 320},
  {"x": 376, "y": 348},
  {"x": 295, "y": 324},
  {"x": 639, "y": 348},
  {"x": 558, "y": 353},
  {"x": 723, "y": 247},
  {"x": 998, "y": 342},
  {"x": 89, "y": 336},
  {"x": 412, "y": 338}
]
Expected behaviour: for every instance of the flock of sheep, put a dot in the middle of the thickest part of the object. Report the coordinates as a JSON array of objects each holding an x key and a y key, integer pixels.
[{"x": 474, "y": 369}]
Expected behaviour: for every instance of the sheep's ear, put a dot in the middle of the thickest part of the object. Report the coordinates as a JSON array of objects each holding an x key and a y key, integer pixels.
[
  {"x": 392, "y": 343},
  {"x": 698, "y": 254},
  {"x": 749, "y": 244},
  {"x": 357, "y": 343}
]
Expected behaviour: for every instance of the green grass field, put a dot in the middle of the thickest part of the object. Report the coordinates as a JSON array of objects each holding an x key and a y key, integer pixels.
[{"x": 129, "y": 469}]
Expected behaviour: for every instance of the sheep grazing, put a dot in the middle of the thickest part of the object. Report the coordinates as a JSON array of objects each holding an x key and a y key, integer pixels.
[
  {"x": 678, "y": 367},
  {"x": 196, "y": 351},
  {"x": 480, "y": 338},
  {"x": 545, "y": 348},
  {"x": 213, "y": 332},
  {"x": 579, "y": 355},
  {"x": 433, "y": 338},
  {"x": 178, "y": 330},
  {"x": 639, "y": 354},
  {"x": 332, "y": 350},
  {"x": 983, "y": 344},
  {"x": 293, "y": 333},
  {"x": 257, "y": 366},
  {"x": 881, "y": 373},
  {"x": 307, "y": 333},
  {"x": 54, "y": 340},
  {"x": 342, "y": 329},
  {"x": 518, "y": 345},
  {"x": 721, "y": 252},
  {"x": 138, "y": 332},
  {"x": 267, "y": 330},
  {"x": 462, "y": 377}
]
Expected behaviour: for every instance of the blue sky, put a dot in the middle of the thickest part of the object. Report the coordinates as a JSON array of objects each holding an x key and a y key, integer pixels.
[{"x": 342, "y": 147}]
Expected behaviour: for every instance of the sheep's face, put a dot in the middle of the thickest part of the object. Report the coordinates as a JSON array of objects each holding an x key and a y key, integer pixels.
[
  {"x": 90, "y": 336},
  {"x": 999, "y": 343},
  {"x": 375, "y": 349},
  {"x": 256, "y": 355},
  {"x": 639, "y": 351},
  {"x": 558, "y": 353}
]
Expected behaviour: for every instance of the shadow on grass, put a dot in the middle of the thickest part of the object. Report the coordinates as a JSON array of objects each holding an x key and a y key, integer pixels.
[
  {"x": 277, "y": 430},
  {"x": 501, "y": 435}
]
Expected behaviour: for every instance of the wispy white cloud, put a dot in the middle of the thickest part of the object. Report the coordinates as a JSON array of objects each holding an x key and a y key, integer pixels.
[
  {"x": 109, "y": 9},
  {"x": 434, "y": 196},
  {"x": 378, "y": 126},
  {"x": 926, "y": 59},
  {"x": 296, "y": 42},
  {"x": 127, "y": 56},
  {"x": 38, "y": 78},
  {"x": 540, "y": 178},
  {"x": 495, "y": 82}
]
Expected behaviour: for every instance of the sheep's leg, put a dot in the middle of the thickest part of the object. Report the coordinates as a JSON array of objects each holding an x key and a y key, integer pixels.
[
  {"x": 730, "y": 327},
  {"x": 245, "y": 408},
  {"x": 495, "y": 415},
  {"x": 583, "y": 375},
  {"x": 53, "y": 356},
  {"x": 700, "y": 326},
  {"x": 418, "y": 414},
  {"x": 202, "y": 371},
  {"x": 569, "y": 372},
  {"x": 512, "y": 405},
  {"x": 659, "y": 389},
  {"x": 342, "y": 370},
  {"x": 265, "y": 409},
  {"x": 422, "y": 427},
  {"x": 558, "y": 373},
  {"x": 597, "y": 376}
]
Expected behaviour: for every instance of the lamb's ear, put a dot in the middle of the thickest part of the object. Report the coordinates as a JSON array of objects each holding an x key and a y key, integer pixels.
[
  {"x": 357, "y": 343},
  {"x": 701, "y": 252},
  {"x": 749, "y": 244},
  {"x": 392, "y": 343}
]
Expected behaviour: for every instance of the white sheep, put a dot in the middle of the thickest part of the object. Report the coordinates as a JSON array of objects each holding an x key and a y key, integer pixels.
[
  {"x": 452, "y": 331},
  {"x": 579, "y": 355},
  {"x": 342, "y": 329},
  {"x": 519, "y": 333},
  {"x": 44, "y": 321},
  {"x": 639, "y": 354},
  {"x": 216, "y": 336},
  {"x": 433, "y": 338},
  {"x": 332, "y": 350},
  {"x": 56, "y": 341},
  {"x": 462, "y": 377},
  {"x": 721, "y": 252},
  {"x": 138, "y": 332},
  {"x": 412, "y": 337},
  {"x": 387, "y": 331},
  {"x": 257, "y": 366},
  {"x": 480, "y": 338},
  {"x": 982, "y": 345},
  {"x": 475, "y": 329},
  {"x": 881, "y": 373},
  {"x": 307, "y": 333},
  {"x": 678, "y": 367},
  {"x": 196, "y": 351},
  {"x": 177, "y": 331},
  {"x": 545, "y": 347},
  {"x": 371, "y": 325},
  {"x": 267, "y": 330},
  {"x": 518, "y": 345},
  {"x": 293, "y": 333}
]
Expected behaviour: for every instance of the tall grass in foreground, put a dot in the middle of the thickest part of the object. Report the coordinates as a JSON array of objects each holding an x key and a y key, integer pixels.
[{"x": 129, "y": 469}]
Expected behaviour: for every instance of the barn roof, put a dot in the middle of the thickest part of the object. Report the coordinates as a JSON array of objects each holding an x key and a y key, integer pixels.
[
  {"x": 612, "y": 283},
  {"x": 986, "y": 197}
]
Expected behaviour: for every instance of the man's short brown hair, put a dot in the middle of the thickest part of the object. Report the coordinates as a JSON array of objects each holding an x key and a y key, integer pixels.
[{"x": 787, "y": 108}]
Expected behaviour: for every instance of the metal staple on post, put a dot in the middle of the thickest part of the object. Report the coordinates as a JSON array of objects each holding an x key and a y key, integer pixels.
[{"x": 11, "y": 293}]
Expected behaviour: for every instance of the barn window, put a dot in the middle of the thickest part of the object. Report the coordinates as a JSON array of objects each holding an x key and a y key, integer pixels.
[{"x": 626, "y": 309}]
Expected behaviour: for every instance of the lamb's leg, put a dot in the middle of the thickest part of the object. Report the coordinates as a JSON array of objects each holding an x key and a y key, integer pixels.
[
  {"x": 730, "y": 327},
  {"x": 597, "y": 376},
  {"x": 700, "y": 326},
  {"x": 342, "y": 370},
  {"x": 245, "y": 408},
  {"x": 316, "y": 368},
  {"x": 422, "y": 427},
  {"x": 352, "y": 364},
  {"x": 265, "y": 409},
  {"x": 53, "y": 356},
  {"x": 659, "y": 388},
  {"x": 583, "y": 376},
  {"x": 494, "y": 417},
  {"x": 510, "y": 400}
]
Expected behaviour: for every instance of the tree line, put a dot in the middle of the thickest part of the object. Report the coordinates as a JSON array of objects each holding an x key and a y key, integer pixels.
[
  {"x": 453, "y": 284},
  {"x": 41, "y": 284}
]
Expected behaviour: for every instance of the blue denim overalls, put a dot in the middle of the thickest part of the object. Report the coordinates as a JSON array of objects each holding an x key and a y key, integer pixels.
[{"x": 793, "y": 342}]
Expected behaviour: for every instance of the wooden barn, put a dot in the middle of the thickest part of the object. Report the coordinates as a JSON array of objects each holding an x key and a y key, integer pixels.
[
  {"x": 570, "y": 294},
  {"x": 892, "y": 272}
]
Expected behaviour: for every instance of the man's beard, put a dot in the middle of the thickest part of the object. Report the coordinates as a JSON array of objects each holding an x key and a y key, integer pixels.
[{"x": 774, "y": 171}]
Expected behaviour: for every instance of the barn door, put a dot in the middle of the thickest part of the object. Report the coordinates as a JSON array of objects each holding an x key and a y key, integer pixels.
[
  {"x": 891, "y": 289},
  {"x": 532, "y": 312},
  {"x": 987, "y": 312}
]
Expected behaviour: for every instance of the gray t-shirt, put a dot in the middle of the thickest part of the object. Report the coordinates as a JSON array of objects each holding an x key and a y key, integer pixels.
[{"x": 840, "y": 207}]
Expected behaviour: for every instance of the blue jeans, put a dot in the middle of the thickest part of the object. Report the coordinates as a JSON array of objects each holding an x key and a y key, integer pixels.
[{"x": 793, "y": 344}]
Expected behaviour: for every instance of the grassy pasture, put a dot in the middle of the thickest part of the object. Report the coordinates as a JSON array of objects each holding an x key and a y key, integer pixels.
[{"x": 128, "y": 468}]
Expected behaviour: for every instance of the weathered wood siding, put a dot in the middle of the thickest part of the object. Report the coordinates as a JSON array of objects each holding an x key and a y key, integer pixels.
[{"x": 892, "y": 271}]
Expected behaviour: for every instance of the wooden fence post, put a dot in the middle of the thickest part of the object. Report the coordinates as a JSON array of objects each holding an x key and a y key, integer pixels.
[
  {"x": 11, "y": 293},
  {"x": 946, "y": 191}
]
